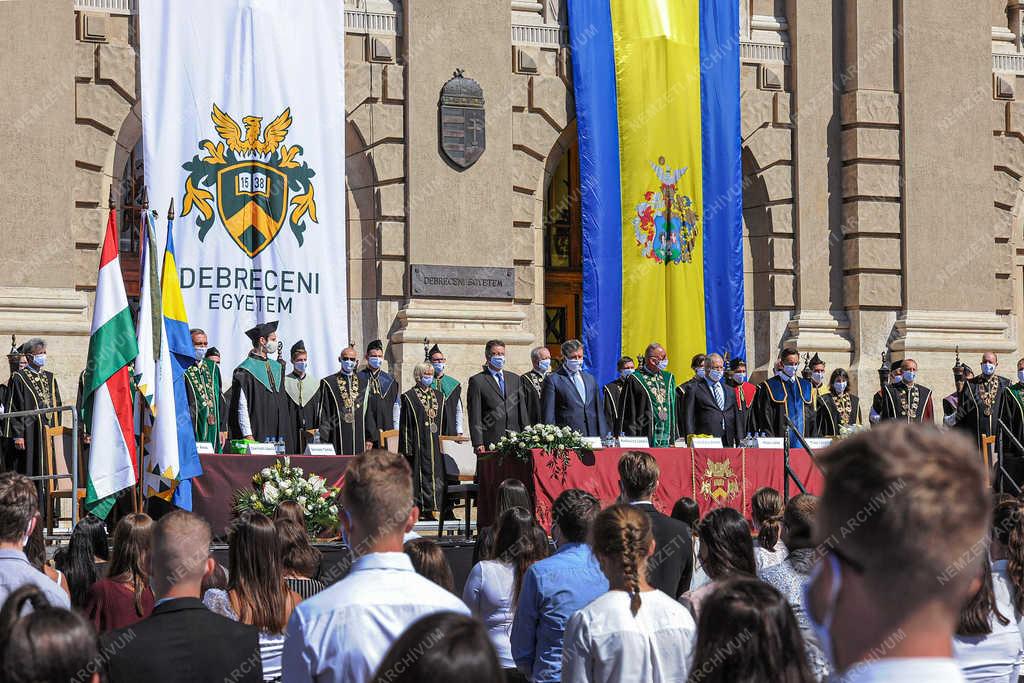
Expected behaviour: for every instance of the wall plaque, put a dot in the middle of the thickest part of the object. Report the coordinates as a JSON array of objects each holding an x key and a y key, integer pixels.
[
  {"x": 461, "y": 119},
  {"x": 463, "y": 282}
]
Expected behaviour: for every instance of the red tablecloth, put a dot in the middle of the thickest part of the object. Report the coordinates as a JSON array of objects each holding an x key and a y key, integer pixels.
[
  {"x": 713, "y": 477},
  {"x": 213, "y": 492}
]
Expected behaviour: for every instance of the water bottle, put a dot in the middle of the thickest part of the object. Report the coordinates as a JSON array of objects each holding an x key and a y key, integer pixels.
[
  {"x": 279, "y": 443},
  {"x": 316, "y": 436}
]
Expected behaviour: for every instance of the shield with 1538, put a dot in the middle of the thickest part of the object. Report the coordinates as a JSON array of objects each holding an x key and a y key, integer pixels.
[{"x": 251, "y": 198}]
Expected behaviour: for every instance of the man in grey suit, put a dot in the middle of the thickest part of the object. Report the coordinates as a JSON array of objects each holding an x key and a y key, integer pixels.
[{"x": 571, "y": 397}]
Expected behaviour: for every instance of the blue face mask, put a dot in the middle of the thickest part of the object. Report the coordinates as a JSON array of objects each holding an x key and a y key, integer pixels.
[
  {"x": 438, "y": 368},
  {"x": 39, "y": 360},
  {"x": 840, "y": 387},
  {"x": 715, "y": 376},
  {"x": 427, "y": 380},
  {"x": 699, "y": 372},
  {"x": 544, "y": 365},
  {"x": 823, "y": 630},
  {"x": 739, "y": 377},
  {"x": 626, "y": 372},
  {"x": 909, "y": 376},
  {"x": 988, "y": 368},
  {"x": 818, "y": 377},
  {"x": 347, "y": 366},
  {"x": 1020, "y": 375},
  {"x": 199, "y": 352},
  {"x": 374, "y": 362},
  {"x": 573, "y": 364},
  {"x": 790, "y": 370},
  {"x": 663, "y": 364},
  {"x": 497, "y": 362},
  {"x": 299, "y": 365}
]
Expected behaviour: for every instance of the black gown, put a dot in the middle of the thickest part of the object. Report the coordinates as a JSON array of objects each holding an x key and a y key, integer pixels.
[
  {"x": 612, "y": 395},
  {"x": 828, "y": 418},
  {"x": 383, "y": 388},
  {"x": 345, "y": 419},
  {"x": 647, "y": 408},
  {"x": 532, "y": 383},
  {"x": 907, "y": 404},
  {"x": 1012, "y": 414},
  {"x": 6, "y": 447},
  {"x": 31, "y": 390},
  {"x": 419, "y": 432},
  {"x": 304, "y": 404},
  {"x": 771, "y": 408},
  {"x": 262, "y": 381},
  {"x": 979, "y": 404}
]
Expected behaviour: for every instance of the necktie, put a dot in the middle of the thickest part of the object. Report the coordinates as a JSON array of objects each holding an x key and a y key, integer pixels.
[
  {"x": 577, "y": 379},
  {"x": 501, "y": 382},
  {"x": 719, "y": 399}
]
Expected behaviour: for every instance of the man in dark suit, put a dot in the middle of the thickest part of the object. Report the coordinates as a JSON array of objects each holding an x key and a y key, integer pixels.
[
  {"x": 495, "y": 400},
  {"x": 182, "y": 640},
  {"x": 710, "y": 406},
  {"x": 571, "y": 397},
  {"x": 671, "y": 567}
]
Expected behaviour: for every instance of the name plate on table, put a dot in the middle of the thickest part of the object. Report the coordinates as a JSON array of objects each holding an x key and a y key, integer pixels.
[
  {"x": 261, "y": 449},
  {"x": 634, "y": 442},
  {"x": 592, "y": 442},
  {"x": 707, "y": 442},
  {"x": 204, "y": 448},
  {"x": 776, "y": 442},
  {"x": 818, "y": 443},
  {"x": 319, "y": 449}
]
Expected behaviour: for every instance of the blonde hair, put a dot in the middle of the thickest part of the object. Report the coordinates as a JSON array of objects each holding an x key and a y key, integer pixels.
[
  {"x": 419, "y": 369},
  {"x": 378, "y": 491},
  {"x": 622, "y": 534}
]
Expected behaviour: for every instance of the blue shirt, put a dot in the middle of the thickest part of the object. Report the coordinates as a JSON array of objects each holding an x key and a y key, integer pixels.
[
  {"x": 795, "y": 408},
  {"x": 15, "y": 572},
  {"x": 553, "y": 590}
]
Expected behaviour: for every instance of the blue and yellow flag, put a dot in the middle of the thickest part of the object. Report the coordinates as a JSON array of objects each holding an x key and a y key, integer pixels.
[{"x": 657, "y": 89}]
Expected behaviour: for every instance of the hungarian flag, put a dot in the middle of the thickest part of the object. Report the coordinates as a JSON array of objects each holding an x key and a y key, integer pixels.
[{"x": 106, "y": 388}]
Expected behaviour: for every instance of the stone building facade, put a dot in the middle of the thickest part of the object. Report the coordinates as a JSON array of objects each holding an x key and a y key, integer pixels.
[{"x": 883, "y": 152}]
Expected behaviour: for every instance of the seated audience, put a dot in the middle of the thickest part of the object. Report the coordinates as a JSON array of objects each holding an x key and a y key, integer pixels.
[
  {"x": 182, "y": 640},
  {"x": 672, "y": 568},
  {"x": 124, "y": 597},
  {"x": 511, "y": 493},
  {"x": 292, "y": 511},
  {"x": 766, "y": 512},
  {"x": 789, "y": 576},
  {"x": 493, "y": 586},
  {"x": 19, "y": 516},
  {"x": 1006, "y": 544},
  {"x": 300, "y": 561},
  {"x": 726, "y": 550},
  {"x": 555, "y": 588},
  {"x": 441, "y": 648},
  {"x": 887, "y": 596},
  {"x": 257, "y": 593},
  {"x": 35, "y": 551},
  {"x": 84, "y": 560},
  {"x": 343, "y": 632},
  {"x": 987, "y": 645},
  {"x": 747, "y": 634},
  {"x": 687, "y": 510},
  {"x": 47, "y": 643},
  {"x": 429, "y": 562},
  {"x": 634, "y": 632}
]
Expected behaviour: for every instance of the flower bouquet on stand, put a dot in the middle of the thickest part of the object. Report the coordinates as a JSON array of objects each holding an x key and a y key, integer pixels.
[
  {"x": 556, "y": 442},
  {"x": 274, "y": 485}
]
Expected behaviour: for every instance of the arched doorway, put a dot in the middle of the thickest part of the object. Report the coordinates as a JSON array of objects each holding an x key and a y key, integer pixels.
[
  {"x": 130, "y": 197},
  {"x": 563, "y": 253}
]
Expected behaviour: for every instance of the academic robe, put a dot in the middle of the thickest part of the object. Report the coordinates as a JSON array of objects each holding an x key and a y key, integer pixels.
[
  {"x": 383, "y": 394},
  {"x": 648, "y": 407},
  {"x": 1012, "y": 414},
  {"x": 777, "y": 399},
  {"x": 533, "y": 389},
  {"x": 6, "y": 448},
  {"x": 681, "y": 403},
  {"x": 817, "y": 392},
  {"x": 304, "y": 404},
  {"x": 345, "y": 418},
  {"x": 950, "y": 403},
  {"x": 452, "y": 390},
  {"x": 745, "y": 392},
  {"x": 202, "y": 387},
  {"x": 829, "y": 420},
  {"x": 30, "y": 390},
  {"x": 419, "y": 440},
  {"x": 612, "y": 395},
  {"x": 979, "y": 404},
  {"x": 261, "y": 380},
  {"x": 893, "y": 396}
]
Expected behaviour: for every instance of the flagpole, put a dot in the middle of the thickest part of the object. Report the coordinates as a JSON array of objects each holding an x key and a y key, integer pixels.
[{"x": 140, "y": 402}]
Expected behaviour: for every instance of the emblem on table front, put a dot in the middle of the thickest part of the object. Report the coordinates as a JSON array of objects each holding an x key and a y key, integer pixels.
[
  {"x": 719, "y": 483},
  {"x": 666, "y": 222},
  {"x": 252, "y": 178}
]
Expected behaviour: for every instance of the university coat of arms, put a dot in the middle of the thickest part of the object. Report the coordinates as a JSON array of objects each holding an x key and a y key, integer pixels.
[
  {"x": 719, "y": 482},
  {"x": 254, "y": 177},
  {"x": 665, "y": 223},
  {"x": 461, "y": 119}
]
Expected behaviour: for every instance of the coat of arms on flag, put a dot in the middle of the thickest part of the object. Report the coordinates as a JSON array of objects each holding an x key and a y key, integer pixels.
[
  {"x": 665, "y": 223},
  {"x": 252, "y": 178}
]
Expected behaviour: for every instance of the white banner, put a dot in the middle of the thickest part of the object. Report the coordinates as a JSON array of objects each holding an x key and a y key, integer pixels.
[{"x": 243, "y": 125}]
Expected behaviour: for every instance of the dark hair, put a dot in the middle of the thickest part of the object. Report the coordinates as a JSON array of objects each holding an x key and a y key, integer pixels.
[
  {"x": 48, "y": 644},
  {"x": 766, "y": 510},
  {"x": 698, "y": 360},
  {"x": 574, "y": 511},
  {"x": 638, "y": 472},
  {"x": 19, "y": 503},
  {"x": 77, "y": 560},
  {"x": 1008, "y": 529},
  {"x": 132, "y": 537},
  {"x": 787, "y": 352},
  {"x": 837, "y": 374},
  {"x": 35, "y": 549},
  {"x": 976, "y": 614},
  {"x": 512, "y": 493},
  {"x": 621, "y": 363},
  {"x": 798, "y": 521},
  {"x": 753, "y": 623},
  {"x": 255, "y": 576},
  {"x": 429, "y": 562},
  {"x": 491, "y": 345},
  {"x": 440, "y": 648},
  {"x": 298, "y": 556},
  {"x": 622, "y": 535},
  {"x": 289, "y": 509},
  {"x": 725, "y": 536},
  {"x": 516, "y": 544},
  {"x": 687, "y": 510}
]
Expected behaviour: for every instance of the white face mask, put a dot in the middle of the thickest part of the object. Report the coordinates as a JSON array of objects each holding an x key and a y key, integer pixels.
[{"x": 39, "y": 360}]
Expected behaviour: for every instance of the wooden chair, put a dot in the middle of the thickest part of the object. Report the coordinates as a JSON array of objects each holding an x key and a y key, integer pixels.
[
  {"x": 389, "y": 437},
  {"x": 57, "y": 453},
  {"x": 988, "y": 449},
  {"x": 464, "y": 492}
]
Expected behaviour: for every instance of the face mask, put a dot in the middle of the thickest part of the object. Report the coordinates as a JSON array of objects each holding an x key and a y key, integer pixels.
[
  {"x": 699, "y": 372},
  {"x": 909, "y": 376},
  {"x": 663, "y": 364},
  {"x": 438, "y": 368},
  {"x": 347, "y": 366},
  {"x": 544, "y": 365},
  {"x": 895, "y": 379},
  {"x": 497, "y": 362},
  {"x": 840, "y": 387},
  {"x": 573, "y": 364},
  {"x": 626, "y": 372},
  {"x": 299, "y": 365},
  {"x": 818, "y": 377},
  {"x": 200, "y": 352},
  {"x": 1020, "y": 375},
  {"x": 39, "y": 360},
  {"x": 427, "y": 380},
  {"x": 715, "y": 375},
  {"x": 374, "y": 362},
  {"x": 823, "y": 630},
  {"x": 988, "y": 368},
  {"x": 789, "y": 370},
  {"x": 739, "y": 377}
]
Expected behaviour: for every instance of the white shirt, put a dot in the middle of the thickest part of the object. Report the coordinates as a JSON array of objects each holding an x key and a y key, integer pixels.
[
  {"x": 605, "y": 642},
  {"x": 994, "y": 657},
  {"x": 893, "y": 670},
  {"x": 1002, "y": 587},
  {"x": 769, "y": 558},
  {"x": 488, "y": 593},
  {"x": 342, "y": 633}
]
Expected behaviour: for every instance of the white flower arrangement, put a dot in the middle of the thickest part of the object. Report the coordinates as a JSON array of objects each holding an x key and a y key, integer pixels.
[
  {"x": 557, "y": 442},
  {"x": 275, "y": 485}
]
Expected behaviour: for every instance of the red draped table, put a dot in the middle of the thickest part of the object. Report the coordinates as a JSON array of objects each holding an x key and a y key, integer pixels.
[
  {"x": 714, "y": 477},
  {"x": 213, "y": 493}
]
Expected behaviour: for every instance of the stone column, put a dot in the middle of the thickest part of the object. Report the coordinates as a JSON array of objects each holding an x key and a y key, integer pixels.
[{"x": 819, "y": 324}]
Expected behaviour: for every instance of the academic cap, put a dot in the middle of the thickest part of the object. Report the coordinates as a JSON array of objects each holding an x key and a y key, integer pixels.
[
  {"x": 735, "y": 363},
  {"x": 212, "y": 351},
  {"x": 434, "y": 349},
  {"x": 815, "y": 360},
  {"x": 375, "y": 345},
  {"x": 262, "y": 330},
  {"x": 298, "y": 347}
]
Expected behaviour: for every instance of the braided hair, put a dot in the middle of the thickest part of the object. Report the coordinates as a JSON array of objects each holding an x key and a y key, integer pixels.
[
  {"x": 621, "y": 537},
  {"x": 766, "y": 508}
]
